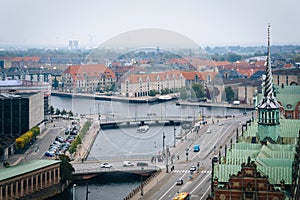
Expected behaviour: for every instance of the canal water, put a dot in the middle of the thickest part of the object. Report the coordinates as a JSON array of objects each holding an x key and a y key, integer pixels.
[
  {"x": 126, "y": 141},
  {"x": 108, "y": 186}
]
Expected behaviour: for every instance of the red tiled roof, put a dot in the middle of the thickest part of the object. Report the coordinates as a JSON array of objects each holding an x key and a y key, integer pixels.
[
  {"x": 206, "y": 74},
  {"x": 90, "y": 70},
  {"x": 135, "y": 78},
  {"x": 191, "y": 75},
  {"x": 288, "y": 65},
  {"x": 36, "y": 59}
]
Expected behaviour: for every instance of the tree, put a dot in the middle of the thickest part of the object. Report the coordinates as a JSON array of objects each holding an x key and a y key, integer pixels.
[
  {"x": 57, "y": 111},
  {"x": 66, "y": 169},
  {"x": 70, "y": 113},
  {"x": 233, "y": 57},
  {"x": 152, "y": 93},
  {"x": 165, "y": 91},
  {"x": 63, "y": 112},
  {"x": 51, "y": 110},
  {"x": 183, "y": 93},
  {"x": 198, "y": 90},
  {"x": 229, "y": 94}
]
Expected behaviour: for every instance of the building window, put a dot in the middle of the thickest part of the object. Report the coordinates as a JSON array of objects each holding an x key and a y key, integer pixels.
[{"x": 289, "y": 106}]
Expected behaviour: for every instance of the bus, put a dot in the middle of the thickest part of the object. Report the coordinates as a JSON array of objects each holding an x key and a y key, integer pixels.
[{"x": 182, "y": 196}]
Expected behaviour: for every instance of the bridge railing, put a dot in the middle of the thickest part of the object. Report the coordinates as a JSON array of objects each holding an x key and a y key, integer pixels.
[
  {"x": 147, "y": 118},
  {"x": 122, "y": 158},
  {"x": 115, "y": 169}
]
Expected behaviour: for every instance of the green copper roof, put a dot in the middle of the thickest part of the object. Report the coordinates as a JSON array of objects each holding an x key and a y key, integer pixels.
[
  {"x": 25, "y": 168},
  {"x": 289, "y": 95}
]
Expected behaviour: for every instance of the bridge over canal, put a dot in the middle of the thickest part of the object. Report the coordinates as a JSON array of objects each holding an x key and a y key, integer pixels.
[{"x": 168, "y": 120}]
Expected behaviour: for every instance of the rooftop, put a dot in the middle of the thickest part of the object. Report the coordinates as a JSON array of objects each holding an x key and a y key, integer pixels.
[{"x": 25, "y": 168}]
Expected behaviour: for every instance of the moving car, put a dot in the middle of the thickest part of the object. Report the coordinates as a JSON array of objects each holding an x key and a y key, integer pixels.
[
  {"x": 127, "y": 164},
  {"x": 196, "y": 148},
  {"x": 179, "y": 182},
  {"x": 193, "y": 168},
  {"x": 215, "y": 159}
]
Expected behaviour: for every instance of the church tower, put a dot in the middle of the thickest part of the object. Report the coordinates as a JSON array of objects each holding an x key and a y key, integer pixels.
[{"x": 268, "y": 107}]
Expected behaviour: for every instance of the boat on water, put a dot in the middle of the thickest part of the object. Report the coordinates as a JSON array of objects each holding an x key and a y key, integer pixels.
[
  {"x": 164, "y": 98},
  {"x": 143, "y": 129}
]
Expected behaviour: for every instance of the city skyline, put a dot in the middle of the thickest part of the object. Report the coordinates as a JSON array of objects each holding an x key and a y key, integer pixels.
[{"x": 208, "y": 23}]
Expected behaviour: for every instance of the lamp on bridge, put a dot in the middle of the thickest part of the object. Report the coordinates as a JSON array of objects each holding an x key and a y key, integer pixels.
[
  {"x": 142, "y": 192},
  {"x": 74, "y": 192},
  {"x": 163, "y": 151},
  {"x": 174, "y": 136}
]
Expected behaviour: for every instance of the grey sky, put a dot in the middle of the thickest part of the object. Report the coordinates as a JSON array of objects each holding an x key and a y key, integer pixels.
[{"x": 210, "y": 22}]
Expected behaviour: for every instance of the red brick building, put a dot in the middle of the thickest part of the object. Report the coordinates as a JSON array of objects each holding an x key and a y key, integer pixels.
[{"x": 248, "y": 184}]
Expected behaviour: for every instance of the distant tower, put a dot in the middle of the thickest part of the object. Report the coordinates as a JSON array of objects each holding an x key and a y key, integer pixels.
[
  {"x": 75, "y": 43},
  {"x": 70, "y": 44},
  {"x": 268, "y": 107}
]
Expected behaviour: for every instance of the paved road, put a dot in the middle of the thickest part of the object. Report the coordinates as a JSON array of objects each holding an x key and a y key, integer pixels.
[{"x": 198, "y": 183}]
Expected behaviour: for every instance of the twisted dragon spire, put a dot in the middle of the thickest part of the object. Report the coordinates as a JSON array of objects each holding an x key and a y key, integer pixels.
[
  {"x": 268, "y": 100},
  {"x": 269, "y": 79}
]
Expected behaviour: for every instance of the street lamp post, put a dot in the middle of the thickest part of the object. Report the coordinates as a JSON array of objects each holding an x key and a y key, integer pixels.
[
  {"x": 74, "y": 187},
  {"x": 187, "y": 154},
  {"x": 142, "y": 192},
  {"x": 164, "y": 137},
  {"x": 167, "y": 159},
  {"x": 174, "y": 136}
]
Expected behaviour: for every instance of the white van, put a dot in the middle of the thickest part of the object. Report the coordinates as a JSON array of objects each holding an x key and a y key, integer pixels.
[
  {"x": 236, "y": 103},
  {"x": 127, "y": 164}
]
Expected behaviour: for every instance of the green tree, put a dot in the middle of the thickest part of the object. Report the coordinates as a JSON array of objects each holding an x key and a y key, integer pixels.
[
  {"x": 70, "y": 113},
  {"x": 57, "y": 111},
  {"x": 63, "y": 112},
  {"x": 183, "y": 93},
  {"x": 165, "y": 91},
  {"x": 152, "y": 93},
  {"x": 233, "y": 57},
  {"x": 66, "y": 169},
  {"x": 51, "y": 110},
  {"x": 198, "y": 90},
  {"x": 229, "y": 94}
]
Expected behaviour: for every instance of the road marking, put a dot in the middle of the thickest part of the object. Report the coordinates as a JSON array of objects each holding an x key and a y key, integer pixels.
[
  {"x": 200, "y": 183},
  {"x": 169, "y": 189},
  {"x": 188, "y": 171},
  {"x": 204, "y": 194}
]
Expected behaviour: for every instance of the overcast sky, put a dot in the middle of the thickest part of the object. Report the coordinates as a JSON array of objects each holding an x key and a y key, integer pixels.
[{"x": 92, "y": 22}]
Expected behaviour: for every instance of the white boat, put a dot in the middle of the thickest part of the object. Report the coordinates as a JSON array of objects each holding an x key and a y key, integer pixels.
[
  {"x": 164, "y": 98},
  {"x": 143, "y": 129}
]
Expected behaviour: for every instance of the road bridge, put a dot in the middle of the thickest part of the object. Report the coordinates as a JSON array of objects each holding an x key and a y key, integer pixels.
[{"x": 167, "y": 120}]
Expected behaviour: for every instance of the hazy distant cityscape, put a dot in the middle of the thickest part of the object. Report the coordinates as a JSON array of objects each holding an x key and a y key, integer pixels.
[{"x": 150, "y": 100}]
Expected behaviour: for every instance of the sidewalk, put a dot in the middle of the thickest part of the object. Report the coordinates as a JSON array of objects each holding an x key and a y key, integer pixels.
[
  {"x": 84, "y": 148},
  {"x": 148, "y": 187}
]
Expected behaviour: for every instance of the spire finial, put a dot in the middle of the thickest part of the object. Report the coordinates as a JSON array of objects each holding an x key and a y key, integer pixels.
[{"x": 269, "y": 78}]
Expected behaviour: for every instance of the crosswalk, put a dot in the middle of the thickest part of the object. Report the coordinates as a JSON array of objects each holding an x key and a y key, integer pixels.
[{"x": 188, "y": 171}]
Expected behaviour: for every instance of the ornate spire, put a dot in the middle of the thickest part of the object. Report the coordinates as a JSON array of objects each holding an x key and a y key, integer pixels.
[
  {"x": 268, "y": 100},
  {"x": 269, "y": 78}
]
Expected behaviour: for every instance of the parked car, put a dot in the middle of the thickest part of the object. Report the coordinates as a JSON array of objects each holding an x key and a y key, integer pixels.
[
  {"x": 59, "y": 139},
  {"x": 106, "y": 165},
  {"x": 142, "y": 164}
]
